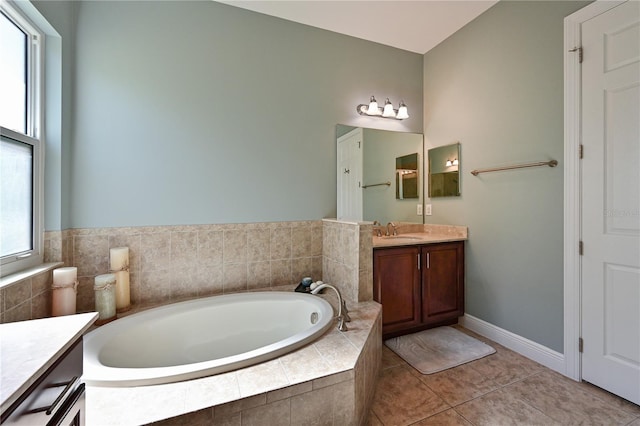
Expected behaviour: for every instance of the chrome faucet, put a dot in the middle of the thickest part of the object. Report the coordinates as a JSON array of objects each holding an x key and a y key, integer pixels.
[
  {"x": 393, "y": 225},
  {"x": 343, "y": 314},
  {"x": 377, "y": 227}
]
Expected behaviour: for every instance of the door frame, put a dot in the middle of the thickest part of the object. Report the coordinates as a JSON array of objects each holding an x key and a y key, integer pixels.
[{"x": 572, "y": 183}]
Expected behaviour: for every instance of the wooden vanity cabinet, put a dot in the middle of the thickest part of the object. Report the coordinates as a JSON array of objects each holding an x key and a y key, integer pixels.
[
  {"x": 419, "y": 287},
  {"x": 396, "y": 282}
]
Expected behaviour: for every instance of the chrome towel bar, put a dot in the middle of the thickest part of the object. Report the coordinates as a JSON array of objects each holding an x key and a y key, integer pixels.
[
  {"x": 551, "y": 163},
  {"x": 377, "y": 184}
]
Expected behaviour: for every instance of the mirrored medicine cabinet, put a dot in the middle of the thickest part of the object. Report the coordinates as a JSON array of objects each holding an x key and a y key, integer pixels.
[{"x": 444, "y": 171}]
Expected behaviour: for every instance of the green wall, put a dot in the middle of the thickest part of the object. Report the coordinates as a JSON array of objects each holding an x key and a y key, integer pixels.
[
  {"x": 497, "y": 87},
  {"x": 193, "y": 112}
]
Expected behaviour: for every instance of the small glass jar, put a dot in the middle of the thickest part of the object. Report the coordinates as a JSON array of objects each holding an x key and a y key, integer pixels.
[{"x": 105, "y": 295}]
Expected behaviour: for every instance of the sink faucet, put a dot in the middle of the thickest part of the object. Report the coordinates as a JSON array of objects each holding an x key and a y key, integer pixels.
[
  {"x": 343, "y": 314},
  {"x": 393, "y": 225},
  {"x": 377, "y": 227}
]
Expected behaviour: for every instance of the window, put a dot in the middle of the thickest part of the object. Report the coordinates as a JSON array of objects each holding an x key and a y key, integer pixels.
[{"x": 21, "y": 167}]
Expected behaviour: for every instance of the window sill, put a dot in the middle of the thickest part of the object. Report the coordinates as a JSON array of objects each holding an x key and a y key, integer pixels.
[{"x": 28, "y": 273}]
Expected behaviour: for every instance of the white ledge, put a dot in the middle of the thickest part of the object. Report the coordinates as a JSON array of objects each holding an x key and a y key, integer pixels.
[{"x": 28, "y": 273}]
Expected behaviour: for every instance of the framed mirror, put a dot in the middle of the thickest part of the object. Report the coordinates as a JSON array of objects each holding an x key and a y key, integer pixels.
[
  {"x": 368, "y": 161},
  {"x": 444, "y": 171},
  {"x": 407, "y": 176}
]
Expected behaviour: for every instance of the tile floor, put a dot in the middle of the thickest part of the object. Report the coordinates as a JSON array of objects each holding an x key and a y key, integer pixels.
[{"x": 502, "y": 389}]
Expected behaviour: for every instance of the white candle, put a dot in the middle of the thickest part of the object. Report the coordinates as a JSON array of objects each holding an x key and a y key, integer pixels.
[
  {"x": 119, "y": 257},
  {"x": 64, "y": 291},
  {"x": 104, "y": 288},
  {"x": 62, "y": 276}
]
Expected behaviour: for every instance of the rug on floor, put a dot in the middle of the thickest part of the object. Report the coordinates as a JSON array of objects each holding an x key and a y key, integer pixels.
[{"x": 438, "y": 349}]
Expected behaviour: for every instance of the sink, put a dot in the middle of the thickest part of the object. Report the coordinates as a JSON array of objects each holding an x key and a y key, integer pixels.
[{"x": 400, "y": 237}]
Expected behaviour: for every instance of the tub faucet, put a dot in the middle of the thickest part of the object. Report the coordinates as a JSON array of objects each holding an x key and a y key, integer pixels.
[
  {"x": 343, "y": 315},
  {"x": 393, "y": 225}
]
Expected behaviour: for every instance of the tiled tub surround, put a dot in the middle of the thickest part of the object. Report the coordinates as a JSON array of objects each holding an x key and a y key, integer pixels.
[
  {"x": 172, "y": 263},
  {"x": 330, "y": 381},
  {"x": 347, "y": 258}
]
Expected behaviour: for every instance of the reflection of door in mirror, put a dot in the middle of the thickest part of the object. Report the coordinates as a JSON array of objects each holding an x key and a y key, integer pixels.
[
  {"x": 349, "y": 175},
  {"x": 377, "y": 175},
  {"x": 444, "y": 171}
]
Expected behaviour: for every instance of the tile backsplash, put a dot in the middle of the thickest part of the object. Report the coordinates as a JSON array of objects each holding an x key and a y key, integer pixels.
[{"x": 172, "y": 263}]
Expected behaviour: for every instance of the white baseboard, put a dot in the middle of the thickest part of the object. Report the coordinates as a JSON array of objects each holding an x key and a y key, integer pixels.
[{"x": 532, "y": 350}]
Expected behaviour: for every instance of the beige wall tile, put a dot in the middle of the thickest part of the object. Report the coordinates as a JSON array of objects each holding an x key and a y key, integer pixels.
[
  {"x": 313, "y": 408},
  {"x": 184, "y": 283},
  {"x": 289, "y": 391},
  {"x": 155, "y": 252},
  {"x": 184, "y": 249},
  {"x": 17, "y": 293},
  {"x": 85, "y": 298},
  {"x": 316, "y": 240},
  {"x": 155, "y": 287},
  {"x": 21, "y": 312},
  {"x": 41, "y": 305},
  {"x": 301, "y": 242},
  {"x": 235, "y": 246},
  {"x": 281, "y": 243},
  {"x": 258, "y": 275},
  {"x": 210, "y": 248},
  {"x": 197, "y": 418},
  {"x": 258, "y": 245},
  {"x": 277, "y": 413},
  {"x": 91, "y": 254},
  {"x": 258, "y": 378},
  {"x": 300, "y": 268},
  {"x": 235, "y": 277},
  {"x": 231, "y": 408},
  {"x": 41, "y": 282},
  {"x": 210, "y": 280},
  {"x": 281, "y": 272}
]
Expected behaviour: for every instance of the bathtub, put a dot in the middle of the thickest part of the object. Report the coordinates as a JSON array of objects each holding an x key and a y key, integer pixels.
[{"x": 202, "y": 337}]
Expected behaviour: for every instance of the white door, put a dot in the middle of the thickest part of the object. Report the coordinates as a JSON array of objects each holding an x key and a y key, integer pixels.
[
  {"x": 611, "y": 201},
  {"x": 350, "y": 175}
]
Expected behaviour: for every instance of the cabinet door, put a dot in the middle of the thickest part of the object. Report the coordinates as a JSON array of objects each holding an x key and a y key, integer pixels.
[
  {"x": 396, "y": 285},
  {"x": 442, "y": 282}
]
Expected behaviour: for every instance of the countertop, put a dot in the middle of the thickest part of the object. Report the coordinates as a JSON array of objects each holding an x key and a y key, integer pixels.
[
  {"x": 422, "y": 234},
  {"x": 29, "y": 348}
]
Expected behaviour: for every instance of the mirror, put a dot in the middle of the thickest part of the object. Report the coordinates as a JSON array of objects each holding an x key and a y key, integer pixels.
[
  {"x": 368, "y": 181},
  {"x": 407, "y": 176},
  {"x": 444, "y": 171}
]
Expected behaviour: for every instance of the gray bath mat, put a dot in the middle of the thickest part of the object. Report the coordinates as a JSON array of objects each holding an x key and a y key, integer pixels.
[{"x": 438, "y": 349}]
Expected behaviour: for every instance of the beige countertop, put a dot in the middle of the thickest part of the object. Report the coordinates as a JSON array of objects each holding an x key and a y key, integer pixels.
[
  {"x": 29, "y": 348},
  {"x": 409, "y": 235}
]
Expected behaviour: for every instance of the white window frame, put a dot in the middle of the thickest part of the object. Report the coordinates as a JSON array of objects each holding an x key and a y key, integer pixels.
[{"x": 34, "y": 137}]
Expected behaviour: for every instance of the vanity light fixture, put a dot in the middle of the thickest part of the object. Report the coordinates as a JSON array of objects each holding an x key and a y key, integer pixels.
[
  {"x": 372, "y": 109},
  {"x": 450, "y": 163}
]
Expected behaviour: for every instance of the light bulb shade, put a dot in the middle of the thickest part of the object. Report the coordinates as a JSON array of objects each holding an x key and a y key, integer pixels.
[
  {"x": 448, "y": 163},
  {"x": 373, "y": 107},
  {"x": 455, "y": 162},
  {"x": 402, "y": 111},
  {"x": 388, "y": 109}
]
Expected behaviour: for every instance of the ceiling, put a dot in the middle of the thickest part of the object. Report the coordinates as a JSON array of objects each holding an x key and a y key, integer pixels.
[{"x": 415, "y": 25}]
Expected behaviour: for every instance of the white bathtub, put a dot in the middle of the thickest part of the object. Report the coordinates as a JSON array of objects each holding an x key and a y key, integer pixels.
[{"x": 202, "y": 337}]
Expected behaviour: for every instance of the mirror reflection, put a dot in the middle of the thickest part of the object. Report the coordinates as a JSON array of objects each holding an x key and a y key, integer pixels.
[
  {"x": 407, "y": 176},
  {"x": 368, "y": 164},
  {"x": 444, "y": 171}
]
